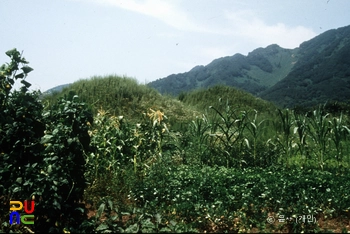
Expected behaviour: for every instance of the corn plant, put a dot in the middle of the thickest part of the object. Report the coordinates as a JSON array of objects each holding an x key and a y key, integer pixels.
[
  {"x": 255, "y": 129},
  {"x": 300, "y": 128},
  {"x": 339, "y": 133},
  {"x": 148, "y": 140},
  {"x": 158, "y": 127},
  {"x": 198, "y": 131},
  {"x": 319, "y": 131},
  {"x": 229, "y": 130},
  {"x": 109, "y": 139},
  {"x": 285, "y": 125}
]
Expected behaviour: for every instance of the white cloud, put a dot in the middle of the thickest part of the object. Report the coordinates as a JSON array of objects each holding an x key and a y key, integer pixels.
[
  {"x": 165, "y": 11},
  {"x": 247, "y": 25},
  {"x": 241, "y": 24}
]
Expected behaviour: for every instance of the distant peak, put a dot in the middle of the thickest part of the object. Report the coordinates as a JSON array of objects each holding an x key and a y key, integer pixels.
[{"x": 197, "y": 67}]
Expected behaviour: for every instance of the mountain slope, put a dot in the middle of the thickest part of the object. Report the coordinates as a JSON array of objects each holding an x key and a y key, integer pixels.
[
  {"x": 321, "y": 73},
  {"x": 220, "y": 95},
  {"x": 56, "y": 89},
  {"x": 123, "y": 96},
  {"x": 317, "y": 71},
  {"x": 254, "y": 73}
]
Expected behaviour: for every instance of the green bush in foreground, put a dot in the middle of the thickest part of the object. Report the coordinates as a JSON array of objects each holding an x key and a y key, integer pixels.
[{"x": 42, "y": 153}]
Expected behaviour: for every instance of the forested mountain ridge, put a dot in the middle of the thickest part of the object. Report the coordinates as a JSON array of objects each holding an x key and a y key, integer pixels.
[
  {"x": 56, "y": 89},
  {"x": 256, "y": 72},
  {"x": 315, "y": 72},
  {"x": 322, "y": 72}
]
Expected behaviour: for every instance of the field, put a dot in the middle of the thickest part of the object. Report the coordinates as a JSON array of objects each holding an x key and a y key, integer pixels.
[{"x": 109, "y": 155}]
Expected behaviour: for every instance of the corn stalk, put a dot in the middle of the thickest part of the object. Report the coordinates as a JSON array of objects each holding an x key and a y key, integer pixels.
[
  {"x": 254, "y": 128},
  {"x": 286, "y": 125},
  {"x": 230, "y": 129},
  {"x": 339, "y": 134},
  {"x": 319, "y": 131}
]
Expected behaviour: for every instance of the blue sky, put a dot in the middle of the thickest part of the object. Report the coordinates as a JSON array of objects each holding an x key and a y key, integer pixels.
[{"x": 68, "y": 40}]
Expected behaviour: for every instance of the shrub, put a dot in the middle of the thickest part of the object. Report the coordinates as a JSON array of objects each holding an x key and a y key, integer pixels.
[{"x": 42, "y": 152}]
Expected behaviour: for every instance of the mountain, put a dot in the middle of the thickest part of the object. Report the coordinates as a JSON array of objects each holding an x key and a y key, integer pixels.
[
  {"x": 317, "y": 71},
  {"x": 322, "y": 72},
  {"x": 258, "y": 71},
  {"x": 56, "y": 89}
]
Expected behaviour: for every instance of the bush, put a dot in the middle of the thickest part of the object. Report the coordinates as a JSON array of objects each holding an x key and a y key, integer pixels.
[{"x": 42, "y": 152}]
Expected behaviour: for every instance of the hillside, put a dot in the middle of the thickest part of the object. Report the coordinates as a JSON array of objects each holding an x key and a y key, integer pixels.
[
  {"x": 304, "y": 76},
  {"x": 124, "y": 96},
  {"x": 238, "y": 99},
  {"x": 321, "y": 73},
  {"x": 261, "y": 69},
  {"x": 56, "y": 89}
]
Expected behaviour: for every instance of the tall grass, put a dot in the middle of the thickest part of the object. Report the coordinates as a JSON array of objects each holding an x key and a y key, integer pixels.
[{"x": 124, "y": 96}]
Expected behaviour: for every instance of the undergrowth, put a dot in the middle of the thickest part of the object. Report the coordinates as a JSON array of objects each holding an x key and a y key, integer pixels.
[{"x": 225, "y": 168}]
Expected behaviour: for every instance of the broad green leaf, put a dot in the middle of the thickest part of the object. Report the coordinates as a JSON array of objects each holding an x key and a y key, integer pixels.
[
  {"x": 19, "y": 76},
  {"x": 165, "y": 229},
  {"x": 19, "y": 180},
  {"x": 12, "y": 52},
  {"x": 27, "y": 69},
  {"x": 26, "y": 84},
  {"x": 100, "y": 210},
  {"x": 110, "y": 203},
  {"x": 49, "y": 169},
  {"x": 28, "y": 183},
  {"x": 132, "y": 228},
  {"x": 46, "y": 139},
  {"x": 15, "y": 190},
  {"x": 102, "y": 227},
  {"x": 247, "y": 142}
]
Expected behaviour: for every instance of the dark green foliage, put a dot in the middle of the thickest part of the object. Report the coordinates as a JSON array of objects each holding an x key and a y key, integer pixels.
[
  {"x": 66, "y": 142},
  {"x": 20, "y": 116},
  {"x": 257, "y": 58},
  {"x": 321, "y": 73},
  {"x": 122, "y": 96},
  {"x": 215, "y": 160},
  {"x": 203, "y": 98},
  {"x": 232, "y": 199},
  {"x": 316, "y": 72},
  {"x": 254, "y": 73},
  {"x": 42, "y": 152}
]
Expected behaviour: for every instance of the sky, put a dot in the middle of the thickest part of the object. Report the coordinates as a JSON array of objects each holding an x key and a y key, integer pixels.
[{"x": 68, "y": 40}]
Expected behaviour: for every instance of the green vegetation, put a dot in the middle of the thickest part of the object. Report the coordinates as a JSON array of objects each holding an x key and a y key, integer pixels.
[
  {"x": 320, "y": 74},
  {"x": 316, "y": 72},
  {"x": 261, "y": 69},
  {"x": 109, "y": 155},
  {"x": 201, "y": 97},
  {"x": 42, "y": 152},
  {"x": 122, "y": 96}
]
